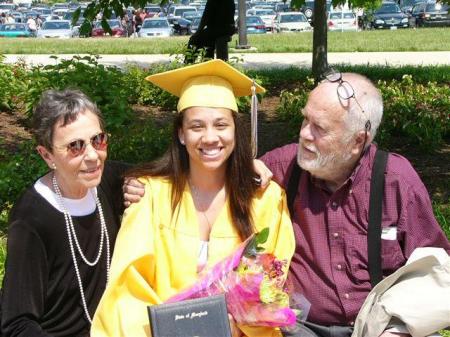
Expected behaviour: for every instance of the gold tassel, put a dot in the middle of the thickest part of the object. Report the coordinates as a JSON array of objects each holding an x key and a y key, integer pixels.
[{"x": 254, "y": 121}]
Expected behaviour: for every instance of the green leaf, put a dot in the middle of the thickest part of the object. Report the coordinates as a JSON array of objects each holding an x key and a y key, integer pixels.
[{"x": 262, "y": 236}]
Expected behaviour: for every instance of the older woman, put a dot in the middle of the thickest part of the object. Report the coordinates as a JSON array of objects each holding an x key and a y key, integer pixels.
[
  {"x": 200, "y": 203},
  {"x": 63, "y": 228}
]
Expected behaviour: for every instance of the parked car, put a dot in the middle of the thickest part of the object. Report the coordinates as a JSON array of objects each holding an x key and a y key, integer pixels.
[
  {"x": 267, "y": 15},
  {"x": 342, "y": 21},
  {"x": 177, "y": 11},
  {"x": 407, "y": 5},
  {"x": 7, "y": 7},
  {"x": 255, "y": 25},
  {"x": 180, "y": 26},
  {"x": 56, "y": 29},
  {"x": 195, "y": 23},
  {"x": 308, "y": 9},
  {"x": 15, "y": 30},
  {"x": 430, "y": 15},
  {"x": 155, "y": 27},
  {"x": 116, "y": 28},
  {"x": 151, "y": 11},
  {"x": 388, "y": 16},
  {"x": 291, "y": 22}
]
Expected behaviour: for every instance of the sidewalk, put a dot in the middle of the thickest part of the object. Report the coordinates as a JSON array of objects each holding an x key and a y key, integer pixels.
[{"x": 259, "y": 60}]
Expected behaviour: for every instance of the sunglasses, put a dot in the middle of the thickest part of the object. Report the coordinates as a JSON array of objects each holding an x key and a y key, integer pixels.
[{"x": 99, "y": 142}]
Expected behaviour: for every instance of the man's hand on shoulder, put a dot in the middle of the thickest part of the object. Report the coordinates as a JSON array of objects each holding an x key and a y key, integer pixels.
[
  {"x": 265, "y": 175},
  {"x": 133, "y": 191}
]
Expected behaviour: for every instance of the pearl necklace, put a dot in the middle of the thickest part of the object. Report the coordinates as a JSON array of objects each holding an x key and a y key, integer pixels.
[{"x": 71, "y": 234}]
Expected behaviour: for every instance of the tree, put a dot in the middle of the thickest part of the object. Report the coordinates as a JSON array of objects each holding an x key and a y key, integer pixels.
[{"x": 320, "y": 41}]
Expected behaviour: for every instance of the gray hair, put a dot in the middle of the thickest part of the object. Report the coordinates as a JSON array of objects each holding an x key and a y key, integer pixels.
[
  {"x": 56, "y": 105},
  {"x": 371, "y": 101}
]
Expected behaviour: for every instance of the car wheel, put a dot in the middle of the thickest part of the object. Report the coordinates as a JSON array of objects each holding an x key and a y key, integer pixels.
[{"x": 308, "y": 12}]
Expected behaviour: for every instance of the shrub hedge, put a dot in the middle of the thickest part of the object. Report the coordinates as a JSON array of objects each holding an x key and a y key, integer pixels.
[{"x": 417, "y": 102}]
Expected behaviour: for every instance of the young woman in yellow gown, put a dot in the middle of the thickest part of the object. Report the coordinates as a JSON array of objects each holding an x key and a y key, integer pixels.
[{"x": 201, "y": 201}]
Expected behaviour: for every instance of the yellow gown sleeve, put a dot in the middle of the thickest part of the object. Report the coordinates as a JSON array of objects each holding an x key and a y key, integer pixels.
[
  {"x": 132, "y": 269},
  {"x": 270, "y": 210}
]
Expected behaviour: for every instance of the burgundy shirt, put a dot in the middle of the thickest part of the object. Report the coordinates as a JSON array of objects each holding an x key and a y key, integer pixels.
[{"x": 330, "y": 265}]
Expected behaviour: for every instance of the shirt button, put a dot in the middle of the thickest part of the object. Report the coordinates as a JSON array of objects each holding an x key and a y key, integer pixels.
[
  {"x": 334, "y": 204},
  {"x": 339, "y": 267},
  {"x": 346, "y": 295},
  {"x": 336, "y": 235},
  {"x": 352, "y": 323},
  {"x": 350, "y": 191}
]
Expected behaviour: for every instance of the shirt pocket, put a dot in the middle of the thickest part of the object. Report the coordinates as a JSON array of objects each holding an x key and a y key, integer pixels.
[
  {"x": 391, "y": 256},
  {"x": 357, "y": 258}
]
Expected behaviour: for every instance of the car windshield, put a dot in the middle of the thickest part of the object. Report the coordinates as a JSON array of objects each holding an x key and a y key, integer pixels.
[
  {"x": 7, "y": 6},
  {"x": 388, "y": 8},
  {"x": 111, "y": 23},
  {"x": 293, "y": 18},
  {"x": 55, "y": 25},
  {"x": 264, "y": 12},
  {"x": 181, "y": 11},
  {"x": 437, "y": 7},
  {"x": 152, "y": 9},
  {"x": 254, "y": 19},
  {"x": 8, "y": 28},
  {"x": 155, "y": 24}
]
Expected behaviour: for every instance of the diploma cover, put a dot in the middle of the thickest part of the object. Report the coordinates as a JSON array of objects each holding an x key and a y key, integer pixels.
[{"x": 200, "y": 317}]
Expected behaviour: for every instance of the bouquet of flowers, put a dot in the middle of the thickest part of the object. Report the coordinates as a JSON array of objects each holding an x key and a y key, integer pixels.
[{"x": 253, "y": 283}]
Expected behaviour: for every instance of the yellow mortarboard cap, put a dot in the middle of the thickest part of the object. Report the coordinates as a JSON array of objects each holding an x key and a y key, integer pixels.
[{"x": 213, "y": 84}]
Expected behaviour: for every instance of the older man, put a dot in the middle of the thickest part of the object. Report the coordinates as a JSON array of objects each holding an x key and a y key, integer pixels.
[
  {"x": 331, "y": 206},
  {"x": 330, "y": 210}
]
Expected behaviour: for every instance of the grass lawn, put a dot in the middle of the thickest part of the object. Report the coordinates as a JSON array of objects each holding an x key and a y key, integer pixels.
[{"x": 427, "y": 39}]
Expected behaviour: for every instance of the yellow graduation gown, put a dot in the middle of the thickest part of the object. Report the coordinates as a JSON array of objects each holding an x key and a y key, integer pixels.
[{"x": 156, "y": 254}]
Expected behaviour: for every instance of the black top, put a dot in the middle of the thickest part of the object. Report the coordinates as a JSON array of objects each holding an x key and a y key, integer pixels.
[
  {"x": 40, "y": 289},
  {"x": 218, "y": 17}
]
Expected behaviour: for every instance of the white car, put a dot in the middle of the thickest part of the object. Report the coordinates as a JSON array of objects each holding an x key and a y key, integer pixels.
[
  {"x": 155, "y": 27},
  {"x": 342, "y": 21},
  {"x": 290, "y": 22},
  {"x": 57, "y": 29},
  {"x": 267, "y": 15},
  {"x": 177, "y": 11}
]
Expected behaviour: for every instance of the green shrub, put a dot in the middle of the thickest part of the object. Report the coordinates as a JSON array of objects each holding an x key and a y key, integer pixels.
[
  {"x": 416, "y": 111},
  {"x": 17, "y": 172},
  {"x": 142, "y": 143},
  {"x": 11, "y": 84},
  {"x": 102, "y": 84}
]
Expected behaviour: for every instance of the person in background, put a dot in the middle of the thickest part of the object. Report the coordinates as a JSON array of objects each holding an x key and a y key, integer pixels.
[
  {"x": 201, "y": 201},
  {"x": 31, "y": 23},
  {"x": 62, "y": 229},
  {"x": 214, "y": 31}
]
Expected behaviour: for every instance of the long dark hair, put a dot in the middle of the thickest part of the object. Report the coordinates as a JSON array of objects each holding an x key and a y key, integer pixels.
[{"x": 239, "y": 181}]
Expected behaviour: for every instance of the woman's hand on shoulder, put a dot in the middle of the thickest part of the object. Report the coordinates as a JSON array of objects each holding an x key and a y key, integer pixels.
[{"x": 133, "y": 191}]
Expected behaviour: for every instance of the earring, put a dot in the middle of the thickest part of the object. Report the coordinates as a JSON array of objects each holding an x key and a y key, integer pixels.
[
  {"x": 182, "y": 141},
  {"x": 54, "y": 166}
]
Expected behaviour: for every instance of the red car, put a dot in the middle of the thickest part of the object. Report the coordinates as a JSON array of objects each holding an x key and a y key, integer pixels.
[{"x": 117, "y": 29}]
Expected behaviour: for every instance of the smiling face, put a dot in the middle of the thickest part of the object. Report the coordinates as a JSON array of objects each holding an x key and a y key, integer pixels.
[
  {"x": 209, "y": 137},
  {"x": 76, "y": 173}
]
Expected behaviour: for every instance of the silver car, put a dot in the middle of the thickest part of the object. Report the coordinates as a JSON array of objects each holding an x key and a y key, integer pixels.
[
  {"x": 56, "y": 29},
  {"x": 155, "y": 27}
]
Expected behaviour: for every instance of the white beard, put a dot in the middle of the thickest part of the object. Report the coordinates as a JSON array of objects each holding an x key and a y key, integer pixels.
[{"x": 323, "y": 165}]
